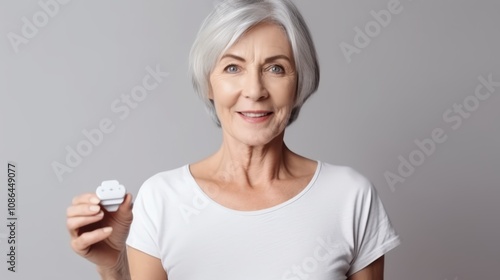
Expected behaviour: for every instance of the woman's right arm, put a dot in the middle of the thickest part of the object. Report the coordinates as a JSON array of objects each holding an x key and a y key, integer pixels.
[
  {"x": 118, "y": 272},
  {"x": 99, "y": 236},
  {"x": 144, "y": 267}
]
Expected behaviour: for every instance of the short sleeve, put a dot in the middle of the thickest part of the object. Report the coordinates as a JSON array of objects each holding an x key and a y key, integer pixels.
[
  {"x": 374, "y": 235},
  {"x": 143, "y": 234}
]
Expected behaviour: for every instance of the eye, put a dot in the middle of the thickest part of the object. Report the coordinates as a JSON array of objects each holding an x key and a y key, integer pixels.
[
  {"x": 231, "y": 68},
  {"x": 277, "y": 69}
]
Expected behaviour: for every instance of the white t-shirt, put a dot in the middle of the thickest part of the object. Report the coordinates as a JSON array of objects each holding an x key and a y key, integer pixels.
[{"x": 333, "y": 228}]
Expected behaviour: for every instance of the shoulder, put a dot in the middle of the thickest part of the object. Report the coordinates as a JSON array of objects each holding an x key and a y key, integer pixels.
[
  {"x": 164, "y": 193},
  {"x": 344, "y": 177},
  {"x": 165, "y": 181},
  {"x": 344, "y": 185}
]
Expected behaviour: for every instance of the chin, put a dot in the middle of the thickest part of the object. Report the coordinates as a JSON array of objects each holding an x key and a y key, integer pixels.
[{"x": 262, "y": 139}]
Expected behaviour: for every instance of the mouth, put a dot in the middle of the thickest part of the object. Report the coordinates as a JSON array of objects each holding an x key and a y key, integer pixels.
[{"x": 255, "y": 114}]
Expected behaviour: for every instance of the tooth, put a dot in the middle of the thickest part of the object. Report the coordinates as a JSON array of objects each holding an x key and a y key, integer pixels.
[{"x": 254, "y": 115}]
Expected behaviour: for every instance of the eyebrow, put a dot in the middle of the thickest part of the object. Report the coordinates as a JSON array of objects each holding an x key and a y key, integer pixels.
[{"x": 267, "y": 60}]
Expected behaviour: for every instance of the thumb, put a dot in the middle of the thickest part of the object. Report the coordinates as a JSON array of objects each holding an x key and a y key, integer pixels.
[{"x": 125, "y": 209}]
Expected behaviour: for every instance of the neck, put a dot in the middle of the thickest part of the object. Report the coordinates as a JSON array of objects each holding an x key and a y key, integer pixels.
[{"x": 252, "y": 166}]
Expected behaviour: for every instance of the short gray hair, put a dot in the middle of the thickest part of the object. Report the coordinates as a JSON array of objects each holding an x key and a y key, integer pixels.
[{"x": 229, "y": 20}]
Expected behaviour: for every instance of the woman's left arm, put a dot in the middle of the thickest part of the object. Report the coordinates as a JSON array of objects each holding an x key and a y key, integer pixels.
[{"x": 374, "y": 271}]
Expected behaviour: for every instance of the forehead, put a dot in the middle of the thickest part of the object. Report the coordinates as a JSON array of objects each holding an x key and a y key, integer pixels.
[{"x": 263, "y": 37}]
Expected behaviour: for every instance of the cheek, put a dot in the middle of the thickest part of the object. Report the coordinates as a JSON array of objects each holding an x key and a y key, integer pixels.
[
  {"x": 223, "y": 93},
  {"x": 224, "y": 86},
  {"x": 283, "y": 94}
]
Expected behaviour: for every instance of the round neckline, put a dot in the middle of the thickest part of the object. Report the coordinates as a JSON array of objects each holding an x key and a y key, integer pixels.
[{"x": 309, "y": 185}]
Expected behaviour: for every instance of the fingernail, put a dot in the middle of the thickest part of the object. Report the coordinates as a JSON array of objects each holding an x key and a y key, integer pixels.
[
  {"x": 94, "y": 208},
  {"x": 94, "y": 200},
  {"x": 107, "y": 229}
]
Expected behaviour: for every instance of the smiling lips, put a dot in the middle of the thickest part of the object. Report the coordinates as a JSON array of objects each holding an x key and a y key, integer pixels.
[{"x": 255, "y": 116}]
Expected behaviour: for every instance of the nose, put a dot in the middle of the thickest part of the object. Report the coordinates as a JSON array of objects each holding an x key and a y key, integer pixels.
[{"x": 254, "y": 88}]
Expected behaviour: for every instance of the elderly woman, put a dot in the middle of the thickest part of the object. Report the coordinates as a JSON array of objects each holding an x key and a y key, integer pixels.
[{"x": 253, "y": 209}]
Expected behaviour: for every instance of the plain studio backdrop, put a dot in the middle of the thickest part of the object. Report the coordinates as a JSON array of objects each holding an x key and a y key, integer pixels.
[{"x": 409, "y": 96}]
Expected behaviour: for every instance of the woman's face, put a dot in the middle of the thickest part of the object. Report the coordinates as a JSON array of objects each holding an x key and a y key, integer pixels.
[{"x": 253, "y": 85}]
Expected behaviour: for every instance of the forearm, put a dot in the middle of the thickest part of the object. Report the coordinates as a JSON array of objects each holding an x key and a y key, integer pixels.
[{"x": 119, "y": 272}]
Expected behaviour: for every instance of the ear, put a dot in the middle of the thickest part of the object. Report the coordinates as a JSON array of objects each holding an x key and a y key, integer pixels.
[{"x": 210, "y": 93}]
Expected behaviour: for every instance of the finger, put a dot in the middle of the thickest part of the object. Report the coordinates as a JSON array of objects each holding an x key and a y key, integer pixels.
[
  {"x": 87, "y": 239},
  {"x": 75, "y": 223},
  {"x": 123, "y": 215},
  {"x": 82, "y": 210},
  {"x": 126, "y": 206},
  {"x": 86, "y": 198}
]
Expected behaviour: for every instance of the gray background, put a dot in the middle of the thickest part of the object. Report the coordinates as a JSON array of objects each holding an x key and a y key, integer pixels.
[{"x": 365, "y": 114}]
